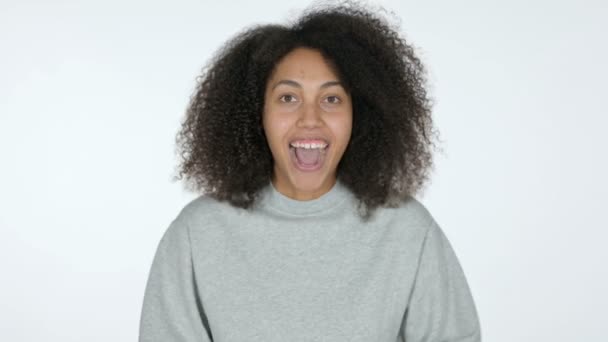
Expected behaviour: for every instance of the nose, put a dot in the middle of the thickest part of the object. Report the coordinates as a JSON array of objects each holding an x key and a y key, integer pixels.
[{"x": 310, "y": 116}]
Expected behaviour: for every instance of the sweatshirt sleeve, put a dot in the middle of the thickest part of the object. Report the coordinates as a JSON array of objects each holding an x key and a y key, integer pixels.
[
  {"x": 172, "y": 309},
  {"x": 441, "y": 307}
]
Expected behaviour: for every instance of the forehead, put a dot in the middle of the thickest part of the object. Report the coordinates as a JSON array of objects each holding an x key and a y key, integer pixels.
[{"x": 304, "y": 64}]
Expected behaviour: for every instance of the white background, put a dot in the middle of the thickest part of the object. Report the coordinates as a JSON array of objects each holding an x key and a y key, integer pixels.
[{"x": 91, "y": 95}]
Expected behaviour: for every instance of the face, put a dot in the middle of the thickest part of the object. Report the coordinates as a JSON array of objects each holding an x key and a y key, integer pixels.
[{"x": 307, "y": 120}]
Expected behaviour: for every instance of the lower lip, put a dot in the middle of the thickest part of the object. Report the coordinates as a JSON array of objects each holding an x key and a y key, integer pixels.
[{"x": 307, "y": 168}]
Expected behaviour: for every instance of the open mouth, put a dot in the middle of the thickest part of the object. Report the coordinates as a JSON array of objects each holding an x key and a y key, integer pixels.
[{"x": 308, "y": 159}]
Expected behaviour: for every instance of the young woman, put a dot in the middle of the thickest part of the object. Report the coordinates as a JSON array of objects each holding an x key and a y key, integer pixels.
[{"x": 308, "y": 143}]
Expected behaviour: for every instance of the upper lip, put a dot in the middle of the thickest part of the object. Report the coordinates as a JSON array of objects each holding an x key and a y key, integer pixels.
[{"x": 315, "y": 137}]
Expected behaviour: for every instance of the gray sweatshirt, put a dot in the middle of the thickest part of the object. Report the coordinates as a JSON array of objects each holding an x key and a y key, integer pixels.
[{"x": 292, "y": 270}]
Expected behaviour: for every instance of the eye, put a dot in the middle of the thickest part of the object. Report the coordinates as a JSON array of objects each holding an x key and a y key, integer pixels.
[
  {"x": 288, "y": 96},
  {"x": 336, "y": 99}
]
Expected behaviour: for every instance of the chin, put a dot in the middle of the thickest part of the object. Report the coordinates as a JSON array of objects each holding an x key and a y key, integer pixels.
[{"x": 309, "y": 182}]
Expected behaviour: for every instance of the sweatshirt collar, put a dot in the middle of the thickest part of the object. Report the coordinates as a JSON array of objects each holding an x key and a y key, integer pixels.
[{"x": 273, "y": 199}]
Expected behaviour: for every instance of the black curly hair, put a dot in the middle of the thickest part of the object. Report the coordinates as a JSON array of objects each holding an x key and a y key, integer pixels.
[{"x": 222, "y": 144}]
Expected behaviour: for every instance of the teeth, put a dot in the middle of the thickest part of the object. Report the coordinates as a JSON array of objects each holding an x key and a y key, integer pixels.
[{"x": 308, "y": 146}]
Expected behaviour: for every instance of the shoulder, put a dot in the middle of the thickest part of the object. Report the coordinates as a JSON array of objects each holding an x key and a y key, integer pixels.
[
  {"x": 204, "y": 212},
  {"x": 404, "y": 223},
  {"x": 431, "y": 232},
  {"x": 407, "y": 214}
]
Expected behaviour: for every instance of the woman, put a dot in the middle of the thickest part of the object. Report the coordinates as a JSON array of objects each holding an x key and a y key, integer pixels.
[{"x": 308, "y": 143}]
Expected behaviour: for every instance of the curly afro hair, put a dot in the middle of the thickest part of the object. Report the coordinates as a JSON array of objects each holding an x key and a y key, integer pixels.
[{"x": 222, "y": 144}]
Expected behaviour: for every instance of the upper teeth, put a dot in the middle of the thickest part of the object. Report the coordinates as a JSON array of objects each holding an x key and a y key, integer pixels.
[{"x": 311, "y": 145}]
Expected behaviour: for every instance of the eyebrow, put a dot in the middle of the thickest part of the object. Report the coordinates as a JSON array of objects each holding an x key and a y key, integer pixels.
[{"x": 298, "y": 85}]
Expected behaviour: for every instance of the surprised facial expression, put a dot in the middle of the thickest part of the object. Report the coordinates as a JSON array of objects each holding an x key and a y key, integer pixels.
[{"x": 307, "y": 120}]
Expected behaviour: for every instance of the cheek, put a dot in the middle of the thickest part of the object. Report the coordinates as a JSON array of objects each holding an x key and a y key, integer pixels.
[
  {"x": 342, "y": 128},
  {"x": 275, "y": 128}
]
